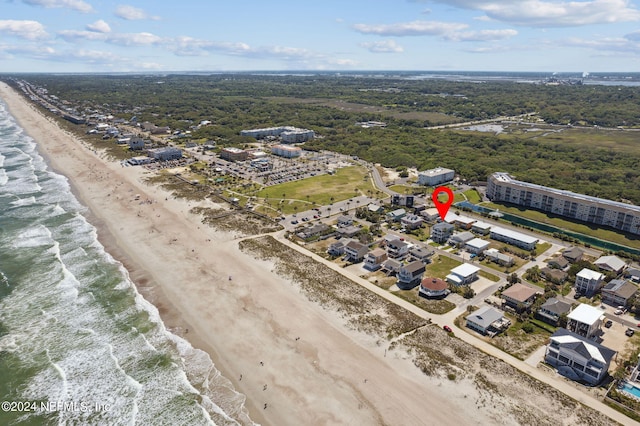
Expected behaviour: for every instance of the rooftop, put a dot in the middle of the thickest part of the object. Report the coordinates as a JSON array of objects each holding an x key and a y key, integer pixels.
[
  {"x": 586, "y": 314},
  {"x": 485, "y": 316},
  {"x": 621, "y": 288},
  {"x": 519, "y": 236},
  {"x": 465, "y": 270},
  {"x": 478, "y": 243},
  {"x": 519, "y": 292},
  {"x": 610, "y": 262},
  {"x": 589, "y": 274},
  {"x": 433, "y": 284},
  {"x": 556, "y": 306},
  {"x": 506, "y": 178},
  {"x": 584, "y": 347}
]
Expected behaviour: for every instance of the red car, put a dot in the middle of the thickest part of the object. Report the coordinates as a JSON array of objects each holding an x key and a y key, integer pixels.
[{"x": 447, "y": 328}]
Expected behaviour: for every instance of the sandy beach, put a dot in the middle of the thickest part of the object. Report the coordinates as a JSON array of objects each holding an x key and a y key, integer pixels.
[
  {"x": 296, "y": 361},
  {"x": 275, "y": 346}
]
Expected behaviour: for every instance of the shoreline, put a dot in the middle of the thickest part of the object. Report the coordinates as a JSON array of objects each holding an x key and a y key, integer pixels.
[
  {"x": 332, "y": 375},
  {"x": 272, "y": 342}
]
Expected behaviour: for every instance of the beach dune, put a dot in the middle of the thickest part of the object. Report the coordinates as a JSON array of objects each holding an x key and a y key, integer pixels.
[{"x": 296, "y": 362}]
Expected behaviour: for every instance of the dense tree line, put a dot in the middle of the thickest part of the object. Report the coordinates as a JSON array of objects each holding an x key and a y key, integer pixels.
[{"x": 241, "y": 101}]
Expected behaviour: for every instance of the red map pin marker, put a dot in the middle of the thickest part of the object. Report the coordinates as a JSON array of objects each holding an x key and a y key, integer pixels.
[{"x": 443, "y": 208}]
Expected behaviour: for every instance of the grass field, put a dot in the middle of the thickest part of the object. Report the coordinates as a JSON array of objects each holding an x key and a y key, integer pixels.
[
  {"x": 440, "y": 267},
  {"x": 346, "y": 183},
  {"x": 592, "y": 230}
]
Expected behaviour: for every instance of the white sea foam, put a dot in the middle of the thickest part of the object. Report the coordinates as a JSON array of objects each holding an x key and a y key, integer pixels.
[{"x": 72, "y": 301}]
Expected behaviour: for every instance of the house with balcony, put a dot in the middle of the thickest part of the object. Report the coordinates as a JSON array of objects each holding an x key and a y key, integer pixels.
[
  {"x": 337, "y": 249},
  {"x": 391, "y": 266},
  {"x": 410, "y": 275},
  {"x": 397, "y": 249},
  {"x": 355, "y": 251},
  {"x": 558, "y": 263},
  {"x": 588, "y": 281},
  {"x": 463, "y": 274},
  {"x": 373, "y": 260},
  {"x": 551, "y": 311},
  {"x": 519, "y": 297},
  {"x": 618, "y": 293},
  {"x": 440, "y": 232},
  {"x": 487, "y": 321},
  {"x": 431, "y": 215},
  {"x": 396, "y": 215},
  {"x": 586, "y": 321},
  {"x": 578, "y": 358}
]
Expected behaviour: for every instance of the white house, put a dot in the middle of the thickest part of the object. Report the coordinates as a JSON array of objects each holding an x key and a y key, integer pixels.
[
  {"x": 463, "y": 274},
  {"x": 585, "y": 320},
  {"x": 578, "y": 358},
  {"x": 588, "y": 281},
  {"x": 476, "y": 245}
]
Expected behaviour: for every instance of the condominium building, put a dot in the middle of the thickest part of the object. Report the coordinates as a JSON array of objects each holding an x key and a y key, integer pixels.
[
  {"x": 435, "y": 176},
  {"x": 287, "y": 133},
  {"x": 286, "y": 151},
  {"x": 625, "y": 217}
]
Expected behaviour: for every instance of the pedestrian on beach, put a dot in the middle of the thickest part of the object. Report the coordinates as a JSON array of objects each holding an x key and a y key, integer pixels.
[{"x": 264, "y": 388}]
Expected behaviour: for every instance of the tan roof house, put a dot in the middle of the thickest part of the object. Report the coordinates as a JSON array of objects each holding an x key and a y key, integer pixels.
[{"x": 519, "y": 297}]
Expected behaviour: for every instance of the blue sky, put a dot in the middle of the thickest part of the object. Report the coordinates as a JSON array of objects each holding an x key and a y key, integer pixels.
[{"x": 237, "y": 35}]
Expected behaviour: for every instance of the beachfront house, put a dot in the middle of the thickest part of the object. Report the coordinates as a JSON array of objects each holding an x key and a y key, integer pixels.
[
  {"x": 337, "y": 249},
  {"x": 551, "y": 311},
  {"x": 588, "y": 281},
  {"x": 433, "y": 288},
  {"x": 578, "y": 358},
  {"x": 373, "y": 260},
  {"x": 585, "y": 320},
  {"x": 463, "y": 274},
  {"x": 391, "y": 266},
  {"x": 355, "y": 251},
  {"x": 410, "y": 275},
  {"x": 487, "y": 321}
]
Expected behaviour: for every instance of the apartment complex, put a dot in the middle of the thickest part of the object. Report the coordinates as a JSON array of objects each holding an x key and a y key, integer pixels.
[
  {"x": 625, "y": 217},
  {"x": 286, "y": 151},
  {"x": 287, "y": 133},
  {"x": 435, "y": 176}
]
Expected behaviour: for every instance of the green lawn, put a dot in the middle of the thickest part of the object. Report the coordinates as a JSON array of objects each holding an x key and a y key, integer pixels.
[
  {"x": 440, "y": 267},
  {"x": 346, "y": 183},
  {"x": 542, "y": 247},
  {"x": 592, "y": 230},
  {"x": 489, "y": 276}
]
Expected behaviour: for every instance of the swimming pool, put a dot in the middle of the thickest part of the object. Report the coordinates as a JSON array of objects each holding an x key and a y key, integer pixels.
[{"x": 631, "y": 389}]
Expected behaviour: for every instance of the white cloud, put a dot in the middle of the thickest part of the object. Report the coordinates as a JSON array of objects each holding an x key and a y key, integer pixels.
[
  {"x": 131, "y": 13},
  {"x": 483, "y": 35},
  {"x": 122, "y": 39},
  {"x": 415, "y": 28},
  {"x": 627, "y": 44},
  {"x": 30, "y": 30},
  {"x": 99, "y": 26},
  {"x": 78, "y": 5},
  {"x": 553, "y": 13},
  {"x": 386, "y": 46}
]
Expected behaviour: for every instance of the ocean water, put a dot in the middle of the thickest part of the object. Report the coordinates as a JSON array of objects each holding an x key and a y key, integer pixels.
[{"x": 78, "y": 344}]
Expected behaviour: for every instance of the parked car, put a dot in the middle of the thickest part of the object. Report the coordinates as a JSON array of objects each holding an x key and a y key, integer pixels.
[
  {"x": 618, "y": 312},
  {"x": 629, "y": 332},
  {"x": 447, "y": 328},
  {"x": 577, "y": 296},
  {"x": 608, "y": 324}
]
